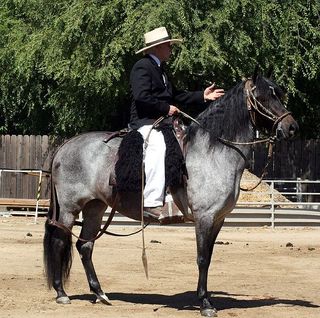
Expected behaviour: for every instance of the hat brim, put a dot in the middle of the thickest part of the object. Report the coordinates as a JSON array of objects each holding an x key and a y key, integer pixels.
[{"x": 172, "y": 41}]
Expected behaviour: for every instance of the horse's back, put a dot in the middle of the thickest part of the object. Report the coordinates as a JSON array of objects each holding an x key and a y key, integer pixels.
[
  {"x": 82, "y": 166},
  {"x": 85, "y": 150}
]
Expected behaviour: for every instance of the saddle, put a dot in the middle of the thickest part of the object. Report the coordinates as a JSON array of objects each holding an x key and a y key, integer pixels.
[{"x": 127, "y": 174}]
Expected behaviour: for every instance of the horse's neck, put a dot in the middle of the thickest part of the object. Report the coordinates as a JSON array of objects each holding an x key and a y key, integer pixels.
[{"x": 233, "y": 156}]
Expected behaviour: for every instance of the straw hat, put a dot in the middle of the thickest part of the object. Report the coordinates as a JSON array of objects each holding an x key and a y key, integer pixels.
[{"x": 156, "y": 37}]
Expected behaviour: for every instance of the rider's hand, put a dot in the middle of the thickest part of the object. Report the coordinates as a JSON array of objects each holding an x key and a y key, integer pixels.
[
  {"x": 212, "y": 93},
  {"x": 173, "y": 110}
]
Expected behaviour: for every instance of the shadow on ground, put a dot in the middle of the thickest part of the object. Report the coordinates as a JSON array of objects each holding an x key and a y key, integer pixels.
[{"x": 188, "y": 300}]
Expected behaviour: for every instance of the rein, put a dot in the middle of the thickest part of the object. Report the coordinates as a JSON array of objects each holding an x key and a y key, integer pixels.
[
  {"x": 253, "y": 105},
  {"x": 230, "y": 143},
  {"x": 146, "y": 142},
  {"x": 79, "y": 223},
  {"x": 101, "y": 231}
]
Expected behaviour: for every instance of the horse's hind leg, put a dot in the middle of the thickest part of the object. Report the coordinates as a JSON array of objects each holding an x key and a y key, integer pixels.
[
  {"x": 58, "y": 260},
  {"x": 92, "y": 217},
  {"x": 206, "y": 233}
]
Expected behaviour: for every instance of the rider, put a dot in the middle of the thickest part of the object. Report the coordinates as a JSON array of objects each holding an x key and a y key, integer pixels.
[{"x": 154, "y": 96}]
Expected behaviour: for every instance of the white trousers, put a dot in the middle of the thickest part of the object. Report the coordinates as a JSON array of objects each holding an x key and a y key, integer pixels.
[{"x": 154, "y": 166}]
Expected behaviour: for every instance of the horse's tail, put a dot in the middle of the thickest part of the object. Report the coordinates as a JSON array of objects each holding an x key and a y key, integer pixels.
[{"x": 57, "y": 245}]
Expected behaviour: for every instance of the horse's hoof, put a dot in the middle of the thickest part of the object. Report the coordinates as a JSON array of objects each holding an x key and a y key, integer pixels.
[
  {"x": 209, "y": 312},
  {"x": 63, "y": 300},
  {"x": 103, "y": 299}
]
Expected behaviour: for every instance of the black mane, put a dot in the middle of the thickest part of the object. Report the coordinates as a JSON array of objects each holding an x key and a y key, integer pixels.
[{"x": 227, "y": 117}]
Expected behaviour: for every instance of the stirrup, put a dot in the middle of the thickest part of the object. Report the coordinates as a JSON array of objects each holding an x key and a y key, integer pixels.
[{"x": 175, "y": 219}]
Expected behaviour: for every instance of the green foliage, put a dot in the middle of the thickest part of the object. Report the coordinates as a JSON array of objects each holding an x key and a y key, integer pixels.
[{"x": 65, "y": 64}]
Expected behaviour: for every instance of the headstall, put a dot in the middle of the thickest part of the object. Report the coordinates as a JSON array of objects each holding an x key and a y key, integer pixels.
[{"x": 255, "y": 106}]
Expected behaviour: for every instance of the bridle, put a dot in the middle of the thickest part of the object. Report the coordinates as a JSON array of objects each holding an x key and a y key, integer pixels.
[{"x": 254, "y": 106}]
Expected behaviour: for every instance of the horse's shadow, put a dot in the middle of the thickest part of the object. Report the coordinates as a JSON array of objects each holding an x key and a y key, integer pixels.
[{"x": 188, "y": 300}]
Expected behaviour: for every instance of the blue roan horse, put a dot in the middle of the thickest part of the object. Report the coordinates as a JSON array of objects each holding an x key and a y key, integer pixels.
[{"x": 81, "y": 171}]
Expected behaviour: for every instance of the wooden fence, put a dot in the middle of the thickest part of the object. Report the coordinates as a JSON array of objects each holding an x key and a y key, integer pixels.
[
  {"x": 291, "y": 160},
  {"x": 24, "y": 152}
]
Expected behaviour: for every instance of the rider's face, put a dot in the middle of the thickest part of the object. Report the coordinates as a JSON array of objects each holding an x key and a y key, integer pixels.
[{"x": 164, "y": 51}]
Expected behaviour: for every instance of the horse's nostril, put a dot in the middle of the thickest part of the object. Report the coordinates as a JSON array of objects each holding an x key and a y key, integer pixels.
[
  {"x": 279, "y": 133},
  {"x": 293, "y": 129}
]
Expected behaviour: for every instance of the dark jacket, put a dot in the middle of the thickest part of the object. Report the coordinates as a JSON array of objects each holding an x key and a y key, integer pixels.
[{"x": 151, "y": 97}]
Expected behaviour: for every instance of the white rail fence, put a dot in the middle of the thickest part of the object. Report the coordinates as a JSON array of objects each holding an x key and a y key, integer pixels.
[
  {"x": 270, "y": 207},
  {"x": 285, "y": 203},
  {"x": 280, "y": 203}
]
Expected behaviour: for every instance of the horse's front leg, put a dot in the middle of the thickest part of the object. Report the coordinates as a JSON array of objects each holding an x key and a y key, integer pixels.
[
  {"x": 206, "y": 234},
  {"x": 92, "y": 217}
]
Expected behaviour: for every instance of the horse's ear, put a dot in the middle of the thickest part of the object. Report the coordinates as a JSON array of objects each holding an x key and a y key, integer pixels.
[
  {"x": 270, "y": 72},
  {"x": 255, "y": 73}
]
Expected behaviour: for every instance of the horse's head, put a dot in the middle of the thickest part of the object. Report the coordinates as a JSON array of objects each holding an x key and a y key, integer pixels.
[{"x": 264, "y": 101}]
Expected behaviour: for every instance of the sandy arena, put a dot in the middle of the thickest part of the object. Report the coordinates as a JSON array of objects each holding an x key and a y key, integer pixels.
[{"x": 253, "y": 274}]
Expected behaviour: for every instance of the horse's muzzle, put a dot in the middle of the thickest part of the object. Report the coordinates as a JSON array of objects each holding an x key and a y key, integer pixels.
[{"x": 287, "y": 129}]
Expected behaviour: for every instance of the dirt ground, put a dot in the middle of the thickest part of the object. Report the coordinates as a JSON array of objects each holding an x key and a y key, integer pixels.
[{"x": 253, "y": 274}]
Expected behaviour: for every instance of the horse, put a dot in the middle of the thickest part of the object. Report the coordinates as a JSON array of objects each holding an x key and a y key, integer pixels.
[{"x": 217, "y": 145}]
